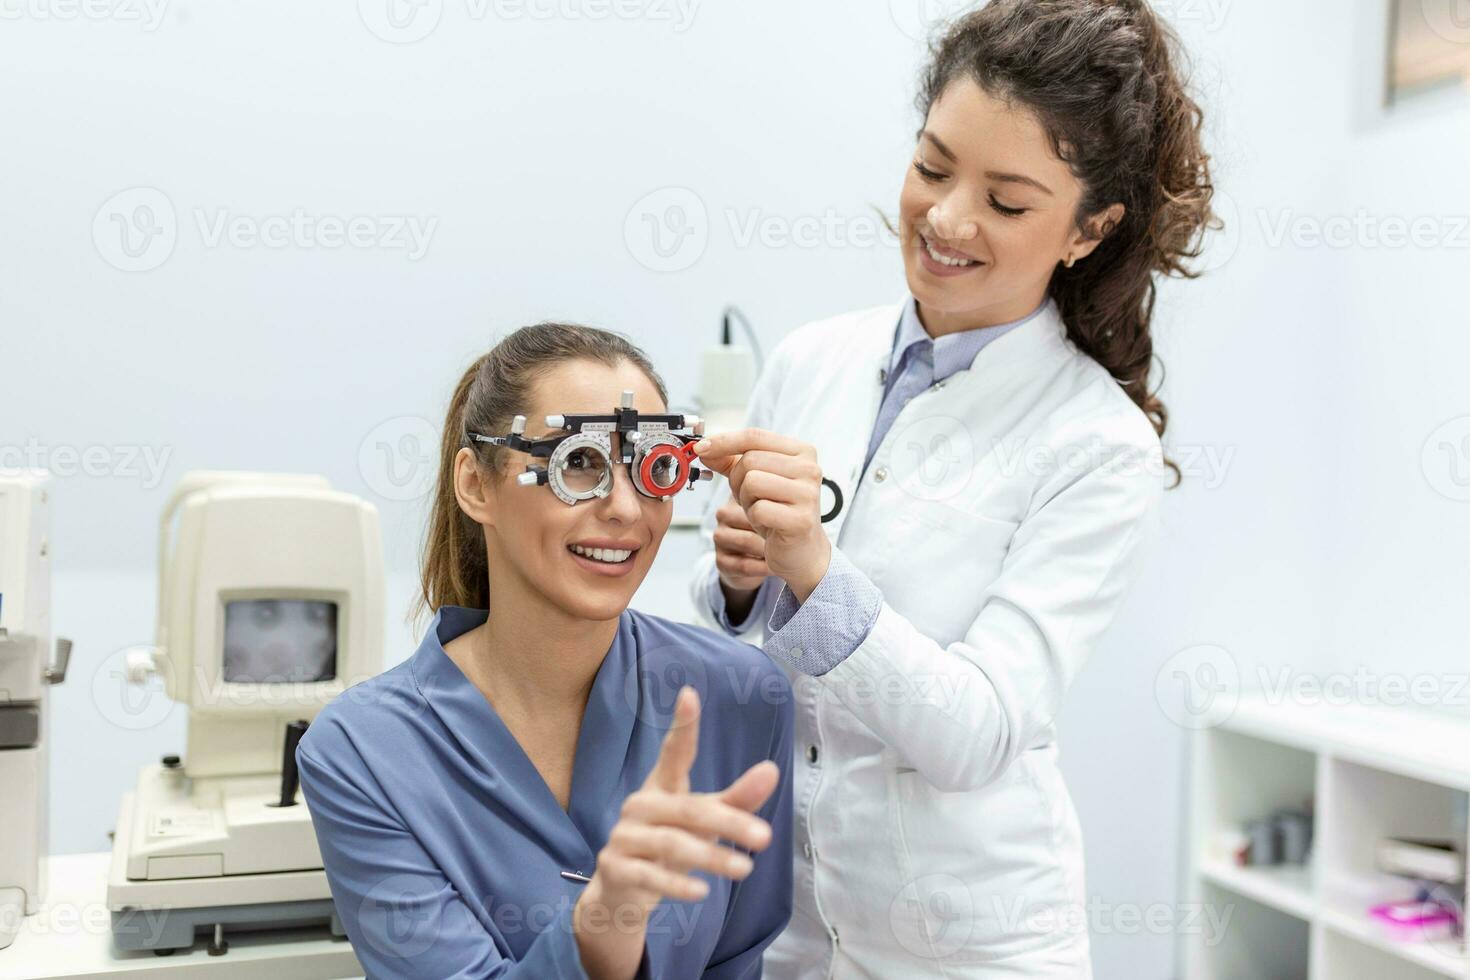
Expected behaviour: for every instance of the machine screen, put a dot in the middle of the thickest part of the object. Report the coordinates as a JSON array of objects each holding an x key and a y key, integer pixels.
[{"x": 276, "y": 641}]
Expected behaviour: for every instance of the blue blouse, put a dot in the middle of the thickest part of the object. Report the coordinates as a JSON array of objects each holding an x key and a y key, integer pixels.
[{"x": 446, "y": 850}]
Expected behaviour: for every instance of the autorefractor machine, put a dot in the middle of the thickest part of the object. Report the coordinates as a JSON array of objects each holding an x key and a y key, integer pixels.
[
  {"x": 26, "y": 672},
  {"x": 270, "y": 604}
]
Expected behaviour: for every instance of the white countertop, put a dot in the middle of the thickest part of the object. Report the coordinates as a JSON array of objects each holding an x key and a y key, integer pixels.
[{"x": 71, "y": 936}]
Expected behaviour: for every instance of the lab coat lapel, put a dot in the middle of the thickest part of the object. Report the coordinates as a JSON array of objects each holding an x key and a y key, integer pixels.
[
  {"x": 1044, "y": 336},
  {"x": 841, "y": 429},
  {"x": 845, "y": 433}
]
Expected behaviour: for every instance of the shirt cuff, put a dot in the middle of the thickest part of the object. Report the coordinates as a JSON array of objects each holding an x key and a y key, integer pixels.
[
  {"x": 814, "y": 636},
  {"x": 716, "y": 598}
]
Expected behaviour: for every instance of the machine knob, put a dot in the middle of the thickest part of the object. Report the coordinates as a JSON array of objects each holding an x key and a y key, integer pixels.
[
  {"x": 55, "y": 673},
  {"x": 290, "y": 777}
]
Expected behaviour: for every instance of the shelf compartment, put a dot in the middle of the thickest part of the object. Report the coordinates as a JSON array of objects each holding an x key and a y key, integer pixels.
[
  {"x": 1286, "y": 888},
  {"x": 1247, "y": 778},
  {"x": 1354, "y": 949},
  {"x": 1258, "y": 941},
  {"x": 1368, "y": 805}
]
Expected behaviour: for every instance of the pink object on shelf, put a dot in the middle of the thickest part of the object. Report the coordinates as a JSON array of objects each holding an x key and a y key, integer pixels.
[{"x": 1411, "y": 921}]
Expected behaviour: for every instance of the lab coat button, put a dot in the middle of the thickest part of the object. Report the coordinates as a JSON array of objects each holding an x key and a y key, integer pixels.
[
  {"x": 806, "y": 851},
  {"x": 880, "y": 474},
  {"x": 811, "y": 754}
]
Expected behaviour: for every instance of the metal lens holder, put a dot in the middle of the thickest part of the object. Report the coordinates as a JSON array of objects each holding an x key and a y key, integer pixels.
[{"x": 651, "y": 446}]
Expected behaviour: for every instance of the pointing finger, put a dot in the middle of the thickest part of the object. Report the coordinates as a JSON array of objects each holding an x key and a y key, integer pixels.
[
  {"x": 754, "y": 787},
  {"x": 680, "y": 746}
]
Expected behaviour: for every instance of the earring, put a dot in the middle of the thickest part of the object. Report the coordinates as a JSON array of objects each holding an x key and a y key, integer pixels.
[{"x": 1070, "y": 260}]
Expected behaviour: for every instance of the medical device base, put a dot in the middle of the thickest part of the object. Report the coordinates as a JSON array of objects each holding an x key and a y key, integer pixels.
[{"x": 220, "y": 855}]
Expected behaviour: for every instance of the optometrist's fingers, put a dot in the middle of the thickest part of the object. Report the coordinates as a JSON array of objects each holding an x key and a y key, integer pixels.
[
  {"x": 776, "y": 517},
  {"x": 798, "y": 467},
  {"x": 731, "y": 514},
  {"x": 743, "y": 544},
  {"x": 623, "y": 875},
  {"x": 799, "y": 462},
  {"x": 740, "y": 552},
  {"x": 702, "y": 814},
  {"x": 741, "y": 574},
  {"x": 676, "y": 755},
  {"x": 717, "y": 450},
  {"x": 678, "y": 850},
  {"x": 779, "y": 489},
  {"x": 724, "y": 451}
]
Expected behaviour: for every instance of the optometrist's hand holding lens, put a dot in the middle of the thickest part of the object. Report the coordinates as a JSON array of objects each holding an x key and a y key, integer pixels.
[{"x": 579, "y": 464}]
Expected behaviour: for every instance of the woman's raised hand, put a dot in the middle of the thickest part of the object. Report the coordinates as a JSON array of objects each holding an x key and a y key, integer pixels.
[{"x": 664, "y": 833}]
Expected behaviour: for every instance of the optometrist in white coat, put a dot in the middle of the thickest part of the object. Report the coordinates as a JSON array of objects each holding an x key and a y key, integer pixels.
[{"x": 999, "y": 458}]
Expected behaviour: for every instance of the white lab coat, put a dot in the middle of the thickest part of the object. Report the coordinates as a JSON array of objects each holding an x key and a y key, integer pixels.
[{"x": 1001, "y": 518}]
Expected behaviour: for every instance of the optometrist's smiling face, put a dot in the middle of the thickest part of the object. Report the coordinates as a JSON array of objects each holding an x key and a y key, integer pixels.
[
  {"x": 988, "y": 210},
  {"x": 587, "y": 559}
]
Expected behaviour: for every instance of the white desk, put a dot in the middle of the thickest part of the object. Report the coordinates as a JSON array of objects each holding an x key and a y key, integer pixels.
[{"x": 71, "y": 937}]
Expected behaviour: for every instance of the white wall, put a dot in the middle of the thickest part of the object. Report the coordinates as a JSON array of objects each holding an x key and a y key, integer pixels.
[
  {"x": 1304, "y": 380},
  {"x": 1329, "y": 553}
]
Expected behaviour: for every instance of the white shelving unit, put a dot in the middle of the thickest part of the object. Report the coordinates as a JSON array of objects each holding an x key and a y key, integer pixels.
[{"x": 1368, "y": 773}]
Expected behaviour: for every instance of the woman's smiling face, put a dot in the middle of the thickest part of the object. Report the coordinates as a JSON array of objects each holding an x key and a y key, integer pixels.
[
  {"x": 988, "y": 210},
  {"x": 530, "y": 533}
]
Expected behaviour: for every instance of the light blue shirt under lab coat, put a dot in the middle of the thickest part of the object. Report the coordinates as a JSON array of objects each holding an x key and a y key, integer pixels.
[
  {"x": 815, "y": 636},
  {"x": 445, "y": 848}
]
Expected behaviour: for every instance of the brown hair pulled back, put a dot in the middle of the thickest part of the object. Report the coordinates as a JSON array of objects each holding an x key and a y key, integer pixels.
[{"x": 493, "y": 390}]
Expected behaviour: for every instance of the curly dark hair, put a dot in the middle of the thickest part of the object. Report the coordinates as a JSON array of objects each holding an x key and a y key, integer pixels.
[{"x": 1103, "y": 79}]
